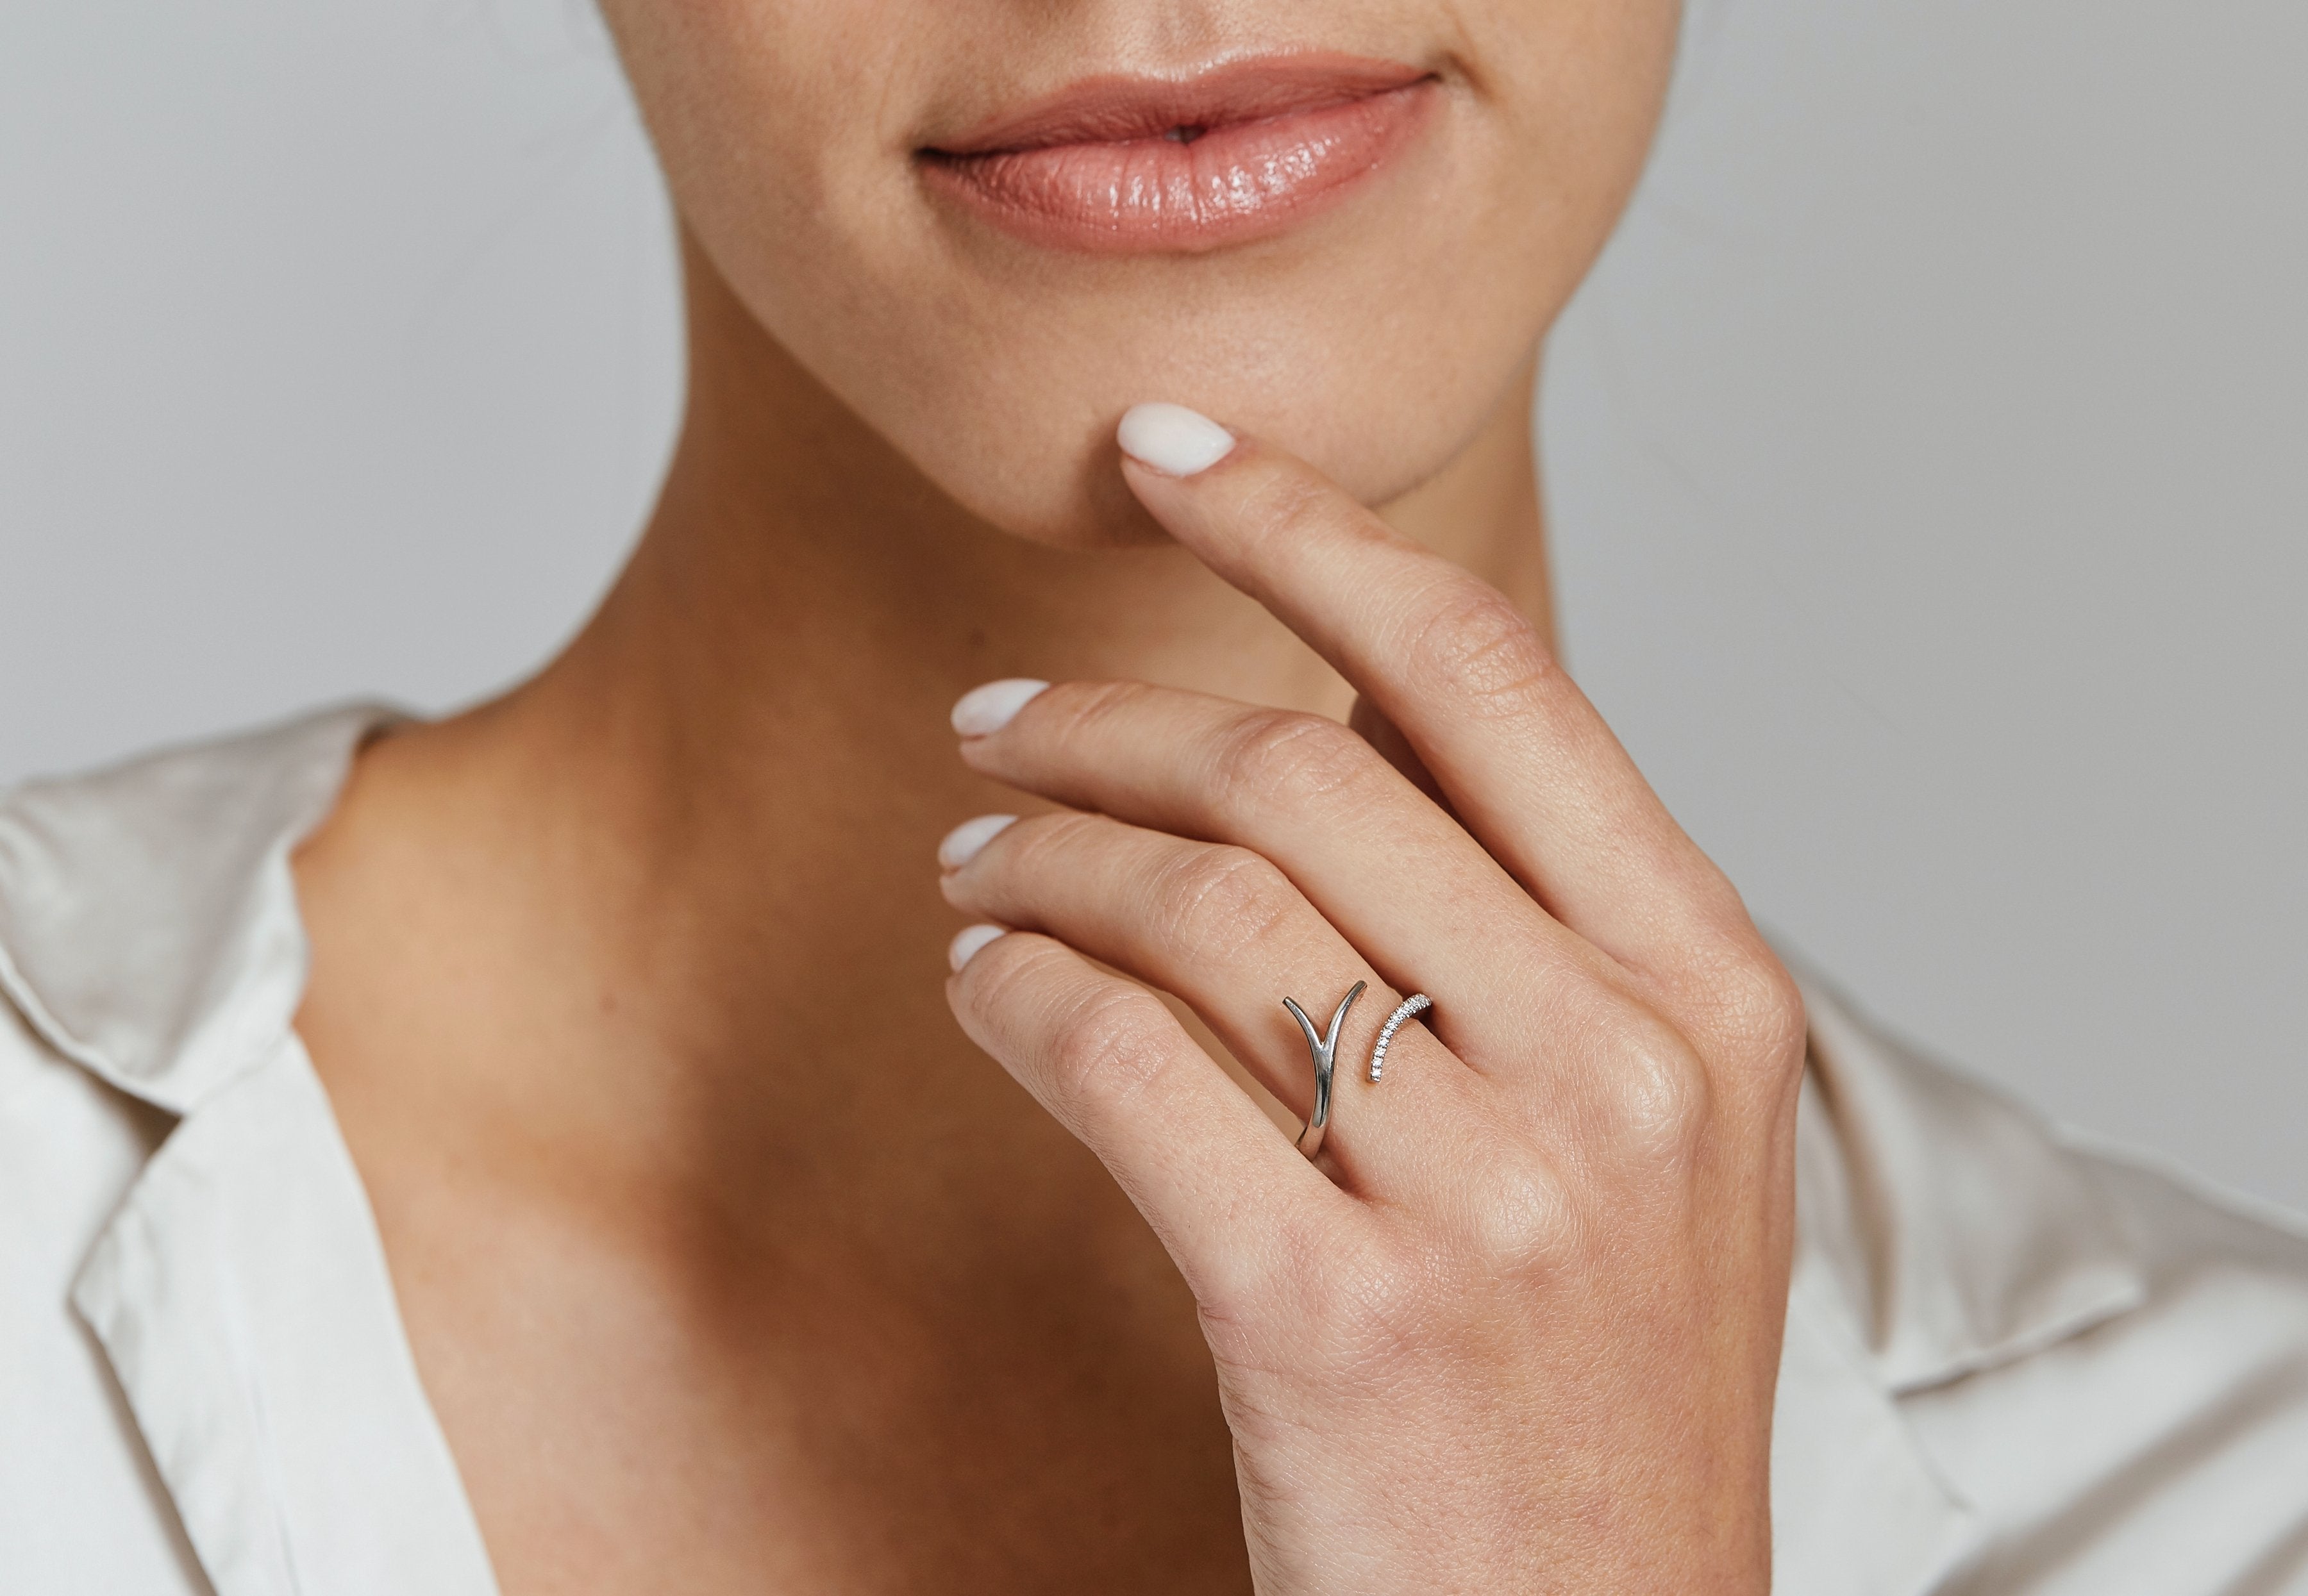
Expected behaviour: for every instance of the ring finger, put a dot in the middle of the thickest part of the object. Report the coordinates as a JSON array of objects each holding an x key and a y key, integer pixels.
[{"x": 1224, "y": 931}]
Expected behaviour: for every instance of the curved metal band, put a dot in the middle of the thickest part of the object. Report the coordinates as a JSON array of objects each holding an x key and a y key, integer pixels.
[
  {"x": 1416, "y": 1003},
  {"x": 1326, "y": 1053}
]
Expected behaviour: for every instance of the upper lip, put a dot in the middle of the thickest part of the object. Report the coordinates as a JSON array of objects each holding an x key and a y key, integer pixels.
[{"x": 1117, "y": 109}]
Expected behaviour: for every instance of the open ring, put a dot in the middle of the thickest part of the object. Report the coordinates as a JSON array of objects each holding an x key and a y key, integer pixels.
[{"x": 1326, "y": 1053}]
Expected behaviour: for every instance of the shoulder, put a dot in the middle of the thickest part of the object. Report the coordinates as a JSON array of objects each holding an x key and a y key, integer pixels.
[
  {"x": 2164, "y": 1449},
  {"x": 145, "y": 909},
  {"x": 149, "y": 952},
  {"x": 149, "y": 948},
  {"x": 2105, "y": 1364}
]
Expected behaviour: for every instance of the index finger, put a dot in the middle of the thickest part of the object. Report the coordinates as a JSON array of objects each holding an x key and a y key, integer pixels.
[{"x": 1526, "y": 761}]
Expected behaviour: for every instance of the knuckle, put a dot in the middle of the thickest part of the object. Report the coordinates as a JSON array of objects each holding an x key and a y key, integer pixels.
[
  {"x": 1253, "y": 1290},
  {"x": 1035, "y": 848},
  {"x": 1658, "y": 1097},
  {"x": 1285, "y": 756},
  {"x": 1370, "y": 1298},
  {"x": 1001, "y": 978},
  {"x": 1105, "y": 1049},
  {"x": 1754, "y": 1012},
  {"x": 1766, "y": 1007},
  {"x": 1526, "y": 1226},
  {"x": 1077, "y": 714},
  {"x": 1321, "y": 1289},
  {"x": 1219, "y": 898},
  {"x": 1477, "y": 645}
]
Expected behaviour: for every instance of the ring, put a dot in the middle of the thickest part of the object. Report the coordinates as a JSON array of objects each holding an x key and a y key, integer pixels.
[
  {"x": 1326, "y": 1051},
  {"x": 1416, "y": 1003}
]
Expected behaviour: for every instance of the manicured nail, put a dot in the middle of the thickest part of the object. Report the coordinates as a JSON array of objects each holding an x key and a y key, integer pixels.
[
  {"x": 967, "y": 942},
  {"x": 1172, "y": 439},
  {"x": 988, "y": 708},
  {"x": 962, "y": 844}
]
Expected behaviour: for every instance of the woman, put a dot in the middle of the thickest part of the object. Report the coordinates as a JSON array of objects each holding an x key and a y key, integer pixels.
[{"x": 528, "y": 1151}]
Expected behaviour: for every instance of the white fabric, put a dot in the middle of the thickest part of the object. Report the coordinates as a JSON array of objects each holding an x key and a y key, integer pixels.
[{"x": 2011, "y": 1366}]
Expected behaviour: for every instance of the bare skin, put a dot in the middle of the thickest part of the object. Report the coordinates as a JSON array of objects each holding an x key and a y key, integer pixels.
[{"x": 728, "y": 1261}]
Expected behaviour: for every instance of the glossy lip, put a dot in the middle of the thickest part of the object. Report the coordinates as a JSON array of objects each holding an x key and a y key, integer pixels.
[{"x": 1120, "y": 164}]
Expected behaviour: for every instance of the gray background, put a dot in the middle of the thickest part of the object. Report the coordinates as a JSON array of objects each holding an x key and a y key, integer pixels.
[{"x": 1926, "y": 461}]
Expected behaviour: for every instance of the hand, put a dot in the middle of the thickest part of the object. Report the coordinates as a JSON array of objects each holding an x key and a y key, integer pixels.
[{"x": 1516, "y": 1327}]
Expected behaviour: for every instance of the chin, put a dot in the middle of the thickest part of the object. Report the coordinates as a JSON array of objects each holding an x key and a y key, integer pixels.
[
  {"x": 1352, "y": 345},
  {"x": 1059, "y": 483},
  {"x": 990, "y": 231}
]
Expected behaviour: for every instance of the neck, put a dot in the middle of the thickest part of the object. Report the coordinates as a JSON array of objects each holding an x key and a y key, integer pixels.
[{"x": 718, "y": 808}]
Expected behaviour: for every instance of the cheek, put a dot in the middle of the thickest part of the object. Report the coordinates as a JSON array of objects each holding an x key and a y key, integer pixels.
[
  {"x": 768, "y": 115},
  {"x": 1580, "y": 93}
]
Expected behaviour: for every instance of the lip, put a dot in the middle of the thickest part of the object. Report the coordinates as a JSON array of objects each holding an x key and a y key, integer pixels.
[{"x": 1133, "y": 165}]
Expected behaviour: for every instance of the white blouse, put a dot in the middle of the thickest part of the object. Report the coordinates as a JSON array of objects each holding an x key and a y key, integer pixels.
[{"x": 2011, "y": 1366}]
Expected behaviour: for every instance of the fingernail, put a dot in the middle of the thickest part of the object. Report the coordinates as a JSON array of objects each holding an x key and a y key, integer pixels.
[
  {"x": 988, "y": 708},
  {"x": 1172, "y": 439},
  {"x": 962, "y": 844},
  {"x": 967, "y": 942}
]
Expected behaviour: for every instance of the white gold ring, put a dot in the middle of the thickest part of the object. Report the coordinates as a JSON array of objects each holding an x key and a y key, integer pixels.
[{"x": 1326, "y": 1053}]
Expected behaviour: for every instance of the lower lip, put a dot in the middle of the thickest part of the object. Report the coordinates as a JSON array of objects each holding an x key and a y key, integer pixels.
[{"x": 1236, "y": 183}]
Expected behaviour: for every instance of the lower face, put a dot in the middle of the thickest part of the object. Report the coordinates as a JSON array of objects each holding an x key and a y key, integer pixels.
[{"x": 989, "y": 226}]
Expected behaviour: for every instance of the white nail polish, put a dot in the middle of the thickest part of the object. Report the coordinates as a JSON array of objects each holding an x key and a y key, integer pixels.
[
  {"x": 988, "y": 708},
  {"x": 1172, "y": 439},
  {"x": 962, "y": 844},
  {"x": 967, "y": 942}
]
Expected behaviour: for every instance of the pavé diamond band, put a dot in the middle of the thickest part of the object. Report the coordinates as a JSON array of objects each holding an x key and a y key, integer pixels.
[{"x": 1416, "y": 1003}]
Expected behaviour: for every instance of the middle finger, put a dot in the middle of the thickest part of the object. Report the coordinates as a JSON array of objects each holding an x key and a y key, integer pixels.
[{"x": 1399, "y": 878}]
